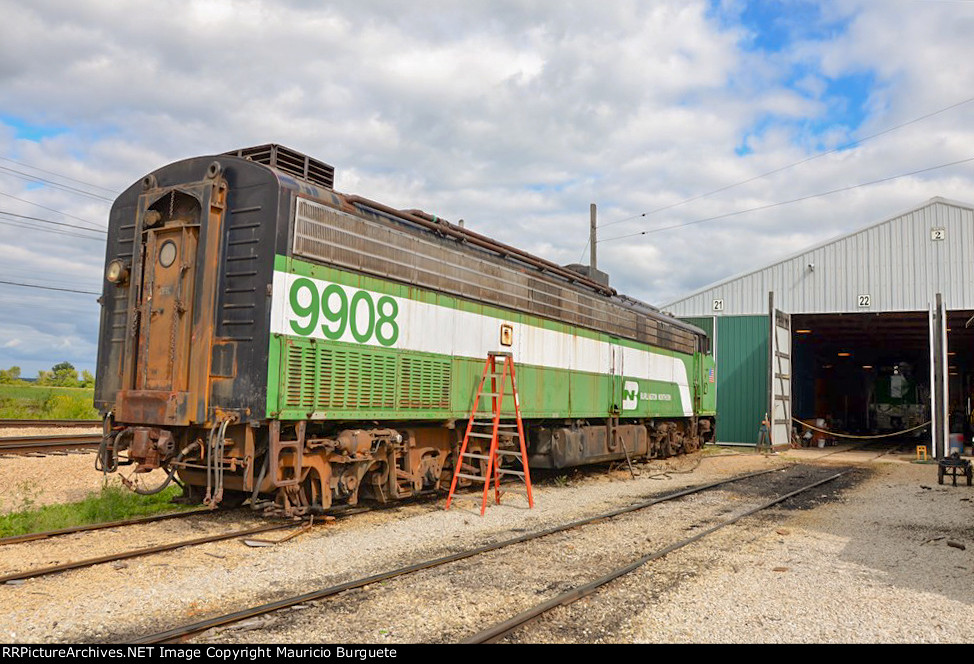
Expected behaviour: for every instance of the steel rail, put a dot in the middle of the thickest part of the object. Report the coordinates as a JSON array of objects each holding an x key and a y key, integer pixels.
[
  {"x": 30, "y": 537},
  {"x": 44, "y": 571},
  {"x": 185, "y": 631},
  {"x": 49, "y": 423},
  {"x": 40, "y": 444},
  {"x": 501, "y": 629},
  {"x": 857, "y": 447}
]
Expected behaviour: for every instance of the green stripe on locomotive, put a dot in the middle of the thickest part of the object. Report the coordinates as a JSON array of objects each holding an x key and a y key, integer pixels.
[{"x": 363, "y": 376}]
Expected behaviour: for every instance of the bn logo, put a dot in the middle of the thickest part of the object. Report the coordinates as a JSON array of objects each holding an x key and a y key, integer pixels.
[{"x": 630, "y": 395}]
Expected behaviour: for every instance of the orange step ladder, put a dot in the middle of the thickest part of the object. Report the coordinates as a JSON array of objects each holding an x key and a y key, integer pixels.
[{"x": 475, "y": 429}]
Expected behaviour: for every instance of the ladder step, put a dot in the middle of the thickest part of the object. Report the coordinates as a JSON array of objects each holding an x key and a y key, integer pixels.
[
  {"x": 490, "y": 423},
  {"x": 513, "y": 453},
  {"x": 489, "y": 436},
  {"x": 475, "y": 456},
  {"x": 505, "y": 471},
  {"x": 472, "y": 477},
  {"x": 506, "y": 489}
]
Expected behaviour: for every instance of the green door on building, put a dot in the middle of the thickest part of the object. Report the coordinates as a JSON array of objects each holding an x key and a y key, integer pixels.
[{"x": 741, "y": 353}]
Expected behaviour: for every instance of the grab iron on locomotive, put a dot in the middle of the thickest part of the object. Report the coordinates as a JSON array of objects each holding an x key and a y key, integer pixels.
[{"x": 266, "y": 337}]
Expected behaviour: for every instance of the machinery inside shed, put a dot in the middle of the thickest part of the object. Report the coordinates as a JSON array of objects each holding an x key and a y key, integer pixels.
[{"x": 869, "y": 373}]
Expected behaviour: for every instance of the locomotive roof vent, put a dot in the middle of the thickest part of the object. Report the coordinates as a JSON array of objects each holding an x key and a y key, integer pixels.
[{"x": 289, "y": 161}]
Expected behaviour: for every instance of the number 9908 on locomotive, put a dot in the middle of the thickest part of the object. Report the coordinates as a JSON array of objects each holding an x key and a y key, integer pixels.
[{"x": 266, "y": 337}]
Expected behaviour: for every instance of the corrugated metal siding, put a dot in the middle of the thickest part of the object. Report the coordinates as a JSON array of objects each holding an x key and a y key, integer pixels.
[
  {"x": 895, "y": 262},
  {"x": 742, "y": 377},
  {"x": 705, "y": 323}
]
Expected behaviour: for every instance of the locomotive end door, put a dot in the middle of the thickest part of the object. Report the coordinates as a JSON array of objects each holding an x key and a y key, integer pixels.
[
  {"x": 167, "y": 364},
  {"x": 167, "y": 314}
]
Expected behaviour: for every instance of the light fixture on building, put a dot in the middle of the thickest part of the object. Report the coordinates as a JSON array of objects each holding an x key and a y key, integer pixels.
[{"x": 845, "y": 354}]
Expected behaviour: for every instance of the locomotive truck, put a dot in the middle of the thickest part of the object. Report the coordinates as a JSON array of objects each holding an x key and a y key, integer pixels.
[{"x": 264, "y": 336}]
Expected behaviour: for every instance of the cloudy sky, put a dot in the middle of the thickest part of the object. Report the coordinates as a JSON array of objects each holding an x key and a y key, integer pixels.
[{"x": 512, "y": 115}]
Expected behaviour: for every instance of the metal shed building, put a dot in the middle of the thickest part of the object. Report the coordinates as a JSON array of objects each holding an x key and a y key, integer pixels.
[{"x": 865, "y": 332}]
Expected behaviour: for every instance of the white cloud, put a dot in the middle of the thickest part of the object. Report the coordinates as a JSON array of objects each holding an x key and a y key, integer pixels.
[{"x": 513, "y": 115}]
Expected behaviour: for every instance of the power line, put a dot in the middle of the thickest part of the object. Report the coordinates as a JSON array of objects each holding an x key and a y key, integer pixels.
[
  {"x": 63, "y": 177},
  {"x": 98, "y": 227},
  {"x": 67, "y": 290},
  {"x": 55, "y": 231},
  {"x": 48, "y": 278},
  {"x": 76, "y": 306},
  {"x": 90, "y": 280},
  {"x": 844, "y": 146},
  {"x": 794, "y": 200},
  {"x": 52, "y": 183},
  {"x": 55, "y": 223}
]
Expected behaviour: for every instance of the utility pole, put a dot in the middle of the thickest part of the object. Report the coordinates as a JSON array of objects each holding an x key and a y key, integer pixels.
[{"x": 591, "y": 240}]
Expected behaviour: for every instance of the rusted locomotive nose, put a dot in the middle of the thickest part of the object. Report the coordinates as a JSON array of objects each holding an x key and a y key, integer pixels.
[{"x": 148, "y": 447}]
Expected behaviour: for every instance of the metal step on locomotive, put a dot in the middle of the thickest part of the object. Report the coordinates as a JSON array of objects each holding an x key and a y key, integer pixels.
[{"x": 265, "y": 337}]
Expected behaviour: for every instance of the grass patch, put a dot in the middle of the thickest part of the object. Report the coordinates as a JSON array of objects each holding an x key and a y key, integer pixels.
[
  {"x": 32, "y": 402},
  {"x": 112, "y": 503}
]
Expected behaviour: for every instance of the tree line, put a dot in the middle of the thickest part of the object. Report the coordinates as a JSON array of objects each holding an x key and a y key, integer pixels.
[{"x": 62, "y": 374}]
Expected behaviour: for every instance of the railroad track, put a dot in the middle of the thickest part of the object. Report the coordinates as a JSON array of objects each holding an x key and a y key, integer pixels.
[
  {"x": 43, "y": 445},
  {"x": 30, "y": 537},
  {"x": 184, "y": 632},
  {"x": 134, "y": 553},
  {"x": 880, "y": 448},
  {"x": 89, "y": 562},
  {"x": 28, "y": 424},
  {"x": 506, "y": 628}
]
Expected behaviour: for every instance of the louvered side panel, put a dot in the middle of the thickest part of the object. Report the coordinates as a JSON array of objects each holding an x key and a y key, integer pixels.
[
  {"x": 424, "y": 383},
  {"x": 300, "y": 376},
  {"x": 352, "y": 379}
]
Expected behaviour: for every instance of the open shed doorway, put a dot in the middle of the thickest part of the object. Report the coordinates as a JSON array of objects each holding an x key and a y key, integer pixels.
[{"x": 868, "y": 374}]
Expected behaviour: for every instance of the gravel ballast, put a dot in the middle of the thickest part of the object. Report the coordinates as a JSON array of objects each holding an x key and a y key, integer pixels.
[{"x": 867, "y": 562}]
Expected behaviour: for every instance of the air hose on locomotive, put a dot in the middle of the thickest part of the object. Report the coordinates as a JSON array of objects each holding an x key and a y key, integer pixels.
[
  {"x": 214, "y": 463},
  {"x": 260, "y": 481},
  {"x": 170, "y": 474},
  {"x": 108, "y": 461}
]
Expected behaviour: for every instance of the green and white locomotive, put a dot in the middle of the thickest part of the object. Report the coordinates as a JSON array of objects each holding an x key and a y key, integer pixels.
[{"x": 265, "y": 337}]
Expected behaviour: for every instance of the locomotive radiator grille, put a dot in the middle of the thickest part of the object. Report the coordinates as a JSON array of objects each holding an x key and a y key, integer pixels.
[
  {"x": 323, "y": 378},
  {"x": 300, "y": 387},
  {"x": 424, "y": 383}
]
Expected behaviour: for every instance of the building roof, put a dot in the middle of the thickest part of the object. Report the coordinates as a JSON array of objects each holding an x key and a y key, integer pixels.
[{"x": 896, "y": 262}]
